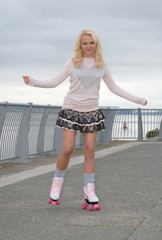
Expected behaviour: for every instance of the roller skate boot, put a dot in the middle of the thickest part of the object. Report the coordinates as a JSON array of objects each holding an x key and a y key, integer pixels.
[
  {"x": 55, "y": 191},
  {"x": 91, "y": 200}
]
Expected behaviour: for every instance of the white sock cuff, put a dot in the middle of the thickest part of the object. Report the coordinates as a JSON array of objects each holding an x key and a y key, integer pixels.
[
  {"x": 59, "y": 173},
  {"x": 89, "y": 178}
]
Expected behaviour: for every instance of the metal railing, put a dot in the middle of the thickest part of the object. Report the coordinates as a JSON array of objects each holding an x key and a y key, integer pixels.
[
  {"x": 27, "y": 129},
  {"x": 137, "y": 124}
]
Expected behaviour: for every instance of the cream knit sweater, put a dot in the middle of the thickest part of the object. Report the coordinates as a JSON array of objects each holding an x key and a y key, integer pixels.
[{"x": 83, "y": 94}]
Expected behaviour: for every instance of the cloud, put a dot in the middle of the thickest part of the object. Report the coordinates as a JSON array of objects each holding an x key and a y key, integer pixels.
[
  {"x": 28, "y": 25},
  {"x": 37, "y": 36}
]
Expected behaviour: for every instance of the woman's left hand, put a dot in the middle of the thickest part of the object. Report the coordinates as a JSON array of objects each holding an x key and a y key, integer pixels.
[{"x": 146, "y": 103}]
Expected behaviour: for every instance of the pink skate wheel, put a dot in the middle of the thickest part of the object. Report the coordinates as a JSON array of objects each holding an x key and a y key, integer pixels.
[
  {"x": 90, "y": 207},
  {"x": 84, "y": 205},
  {"x": 54, "y": 203},
  {"x": 49, "y": 201},
  {"x": 58, "y": 202},
  {"x": 97, "y": 206}
]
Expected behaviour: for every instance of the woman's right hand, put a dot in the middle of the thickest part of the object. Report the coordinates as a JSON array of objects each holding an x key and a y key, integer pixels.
[{"x": 26, "y": 79}]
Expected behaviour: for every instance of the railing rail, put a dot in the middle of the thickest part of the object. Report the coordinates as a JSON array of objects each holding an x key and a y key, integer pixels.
[
  {"x": 27, "y": 129},
  {"x": 137, "y": 124}
]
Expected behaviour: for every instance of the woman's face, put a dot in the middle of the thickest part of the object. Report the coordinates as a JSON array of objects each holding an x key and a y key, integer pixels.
[{"x": 88, "y": 46}]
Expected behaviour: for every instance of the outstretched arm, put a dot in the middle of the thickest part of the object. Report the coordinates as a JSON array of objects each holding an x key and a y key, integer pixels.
[
  {"x": 53, "y": 82},
  {"x": 26, "y": 79},
  {"x": 119, "y": 91}
]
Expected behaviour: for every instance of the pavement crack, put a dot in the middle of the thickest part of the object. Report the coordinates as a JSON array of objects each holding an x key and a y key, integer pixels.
[{"x": 144, "y": 218}]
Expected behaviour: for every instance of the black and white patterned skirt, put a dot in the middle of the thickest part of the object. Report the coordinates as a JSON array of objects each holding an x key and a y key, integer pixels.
[{"x": 85, "y": 122}]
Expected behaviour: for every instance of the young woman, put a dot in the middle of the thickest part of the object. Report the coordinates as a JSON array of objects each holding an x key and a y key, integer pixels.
[{"x": 80, "y": 111}]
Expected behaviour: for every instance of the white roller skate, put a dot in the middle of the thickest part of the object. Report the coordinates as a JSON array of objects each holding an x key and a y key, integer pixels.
[
  {"x": 55, "y": 191},
  {"x": 91, "y": 200}
]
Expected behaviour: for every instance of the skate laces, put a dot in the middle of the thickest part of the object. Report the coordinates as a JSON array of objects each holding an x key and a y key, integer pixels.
[
  {"x": 57, "y": 184},
  {"x": 91, "y": 189}
]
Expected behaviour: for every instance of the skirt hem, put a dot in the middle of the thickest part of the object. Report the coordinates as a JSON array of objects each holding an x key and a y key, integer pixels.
[{"x": 92, "y": 121}]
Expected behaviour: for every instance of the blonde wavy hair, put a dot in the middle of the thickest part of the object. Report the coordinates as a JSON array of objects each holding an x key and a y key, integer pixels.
[{"x": 78, "y": 53}]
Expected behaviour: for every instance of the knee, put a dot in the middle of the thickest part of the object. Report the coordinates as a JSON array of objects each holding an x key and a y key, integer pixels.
[
  {"x": 67, "y": 151},
  {"x": 89, "y": 152}
]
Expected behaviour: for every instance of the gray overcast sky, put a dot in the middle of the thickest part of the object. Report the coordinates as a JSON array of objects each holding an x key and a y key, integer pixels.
[{"x": 37, "y": 37}]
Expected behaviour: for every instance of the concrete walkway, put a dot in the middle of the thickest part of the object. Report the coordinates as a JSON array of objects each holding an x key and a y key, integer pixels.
[{"x": 128, "y": 183}]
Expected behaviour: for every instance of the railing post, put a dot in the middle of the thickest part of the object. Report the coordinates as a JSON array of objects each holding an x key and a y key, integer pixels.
[
  {"x": 40, "y": 141},
  {"x": 160, "y": 131},
  {"x": 57, "y": 141},
  {"x": 81, "y": 139},
  {"x": 106, "y": 135},
  {"x": 22, "y": 141},
  {"x": 140, "y": 128},
  {"x": 3, "y": 113}
]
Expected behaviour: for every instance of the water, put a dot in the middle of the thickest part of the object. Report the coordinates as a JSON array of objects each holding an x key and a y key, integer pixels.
[{"x": 151, "y": 120}]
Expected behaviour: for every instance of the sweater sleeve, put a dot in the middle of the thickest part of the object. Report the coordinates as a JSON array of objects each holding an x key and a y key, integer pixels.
[
  {"x": 56, "y": 80},
  {"x": 114, "y": 88}
]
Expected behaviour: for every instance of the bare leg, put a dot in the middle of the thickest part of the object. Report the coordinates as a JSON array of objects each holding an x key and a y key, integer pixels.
[
  {"x": 68, "y": 144},
  {"x": 89, "y": 152}
]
